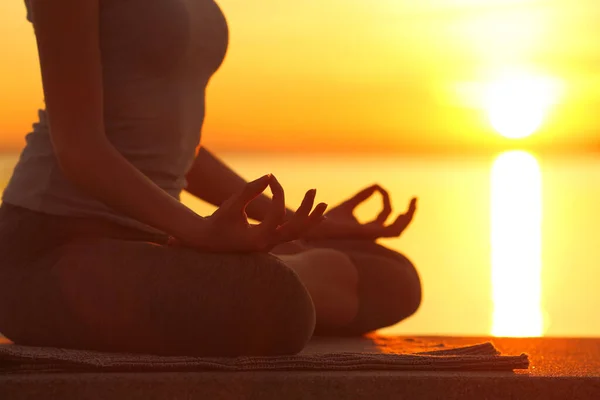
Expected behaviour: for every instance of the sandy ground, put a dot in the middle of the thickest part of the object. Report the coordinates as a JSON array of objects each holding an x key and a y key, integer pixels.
[{"x": 561, "y": 368}]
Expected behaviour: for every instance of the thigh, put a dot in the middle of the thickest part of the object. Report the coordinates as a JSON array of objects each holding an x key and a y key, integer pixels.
[{"x": 117, "y": 295}]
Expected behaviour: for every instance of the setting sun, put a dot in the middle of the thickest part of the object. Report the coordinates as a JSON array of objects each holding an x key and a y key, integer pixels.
[{"x": 517, "y": 104}]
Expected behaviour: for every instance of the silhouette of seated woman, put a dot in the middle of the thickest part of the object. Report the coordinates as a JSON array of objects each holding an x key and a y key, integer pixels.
[{"x": 97, "y": 251}]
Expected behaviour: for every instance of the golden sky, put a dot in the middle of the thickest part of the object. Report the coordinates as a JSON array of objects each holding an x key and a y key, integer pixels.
[{"x": 394, "y": 75}]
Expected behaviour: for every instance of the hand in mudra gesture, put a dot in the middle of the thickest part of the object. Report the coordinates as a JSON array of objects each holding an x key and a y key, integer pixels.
[
  {"x": 341, "y": 223},
  {"x": 228, "y": 229}
]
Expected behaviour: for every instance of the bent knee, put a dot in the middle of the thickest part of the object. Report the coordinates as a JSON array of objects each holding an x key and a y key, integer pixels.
[
  {"x": 389, "y": 289},
  {"x": 406, "y": 288},
  {"x": 405, "y": 283},
  {"x": 412, "y": 290},
  {"x": 288, "y": 311}
]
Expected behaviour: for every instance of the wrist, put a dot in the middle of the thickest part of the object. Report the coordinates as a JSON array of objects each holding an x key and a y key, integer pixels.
[{"x": 190, "y": 231}]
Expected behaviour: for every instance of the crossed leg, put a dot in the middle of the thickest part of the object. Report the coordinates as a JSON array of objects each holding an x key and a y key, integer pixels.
[
  {"x": 357, "y": 286},
  {"x": 132, "y": 296}
]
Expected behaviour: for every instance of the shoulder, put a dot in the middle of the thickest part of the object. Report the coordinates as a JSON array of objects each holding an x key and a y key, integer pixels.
[{"x": 28, "y": 7}]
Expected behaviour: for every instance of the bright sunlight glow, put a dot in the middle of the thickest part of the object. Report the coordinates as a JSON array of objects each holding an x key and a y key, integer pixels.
[
  {"x": 517, "y": 104},
  {"x": 516, "y": 212}
]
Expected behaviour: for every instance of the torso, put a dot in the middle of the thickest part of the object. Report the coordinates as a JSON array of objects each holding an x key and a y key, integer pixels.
[{"x": 157, "y": 58}]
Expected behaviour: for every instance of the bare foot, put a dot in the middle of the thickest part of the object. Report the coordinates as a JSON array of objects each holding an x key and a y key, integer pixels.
[
  {"x": 331, "y": 279},
  {"x": 293, "y": 247}
]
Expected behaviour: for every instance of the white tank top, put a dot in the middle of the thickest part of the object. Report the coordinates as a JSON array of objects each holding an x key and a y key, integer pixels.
[{"x": 157, "y": 58}]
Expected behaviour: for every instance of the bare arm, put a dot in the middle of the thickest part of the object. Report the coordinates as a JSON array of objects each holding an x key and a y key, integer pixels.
[
  {"x": 213, "y": 181},
  {"x": 68, "y": 46}
]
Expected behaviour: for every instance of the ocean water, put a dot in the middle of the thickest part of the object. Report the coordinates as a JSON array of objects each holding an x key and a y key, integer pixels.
[{"x": 505, "y": 245}]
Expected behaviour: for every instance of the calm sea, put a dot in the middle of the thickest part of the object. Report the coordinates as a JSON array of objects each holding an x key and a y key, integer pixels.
[{"x": 505, "y": 245}]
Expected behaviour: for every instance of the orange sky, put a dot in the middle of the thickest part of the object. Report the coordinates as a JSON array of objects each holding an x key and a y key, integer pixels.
[{"x": 366, "y": 75}]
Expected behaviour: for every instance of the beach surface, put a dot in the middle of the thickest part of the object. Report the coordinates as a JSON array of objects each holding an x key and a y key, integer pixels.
[{"x": 561, "y": 368}]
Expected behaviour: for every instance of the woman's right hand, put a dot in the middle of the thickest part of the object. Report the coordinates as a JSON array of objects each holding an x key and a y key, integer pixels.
[{"x": 228, "y": 229}]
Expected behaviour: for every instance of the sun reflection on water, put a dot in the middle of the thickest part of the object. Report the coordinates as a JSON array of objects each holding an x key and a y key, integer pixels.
[{"x": 516, "y": 212}]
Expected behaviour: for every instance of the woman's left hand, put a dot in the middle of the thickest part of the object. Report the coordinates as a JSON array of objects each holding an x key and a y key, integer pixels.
[{"x": 340, "y": 222}]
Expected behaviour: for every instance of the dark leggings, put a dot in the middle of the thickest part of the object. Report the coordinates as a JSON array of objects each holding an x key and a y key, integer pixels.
[{"x": 90, "y": 284}]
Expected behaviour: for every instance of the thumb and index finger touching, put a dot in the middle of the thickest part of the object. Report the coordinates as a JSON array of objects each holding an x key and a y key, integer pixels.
[
  {"x": 365, "y": 194},
  {"x": 400, "y": 223},
  {"x": 252, "y": 190},
  {"x": 276, "y": 215}
]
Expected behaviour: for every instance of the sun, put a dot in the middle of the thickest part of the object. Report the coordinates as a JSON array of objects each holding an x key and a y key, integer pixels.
[{"x": 517, "y": 104}]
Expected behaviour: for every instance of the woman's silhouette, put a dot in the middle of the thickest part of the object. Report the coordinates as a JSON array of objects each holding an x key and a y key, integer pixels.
[{"x": 99, "y": 253}]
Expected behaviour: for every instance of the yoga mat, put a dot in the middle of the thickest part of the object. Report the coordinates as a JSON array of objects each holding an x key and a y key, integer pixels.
[{"x": 480, "y": 357}]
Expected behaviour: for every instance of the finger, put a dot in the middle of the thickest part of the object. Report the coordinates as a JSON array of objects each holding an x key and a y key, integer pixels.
[
  {"x": 412, "y": 207},
  {"x": 410, "y": 212},
  {"x": 291, "y": 229},
  {"x": 314, "y": 219},
  {"x": 307, "y": 204},
  {"x": 360, "y": 197},
  {"x": 251, "y": 191},
  {"x": 387, "y": 206},
  {"x": 278, "y": 195},
  {"x": 318, "y": 213},
  {"x": 403, "y": 220},
  {"x": 276, "y": 214}
]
